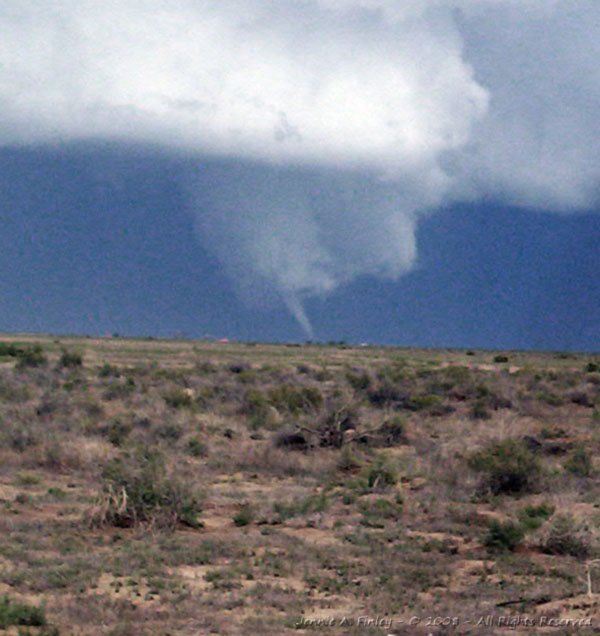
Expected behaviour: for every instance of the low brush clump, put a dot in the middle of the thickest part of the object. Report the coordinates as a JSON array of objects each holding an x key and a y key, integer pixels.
[
  {"x": 70, "y": 359},
  {"x": 137, "y": 491},
  {"x": 566, "y": 536},
  {"x": 21, "y": 614},
  {"x": 508, "y": 467},
  {"x": 504, "y": 537}
]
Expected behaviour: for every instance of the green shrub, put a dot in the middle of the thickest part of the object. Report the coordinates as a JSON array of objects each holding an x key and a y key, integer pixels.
[
  {"x": 119, "y": 390},
  {"x": 244, "y": 516},
  {"x": 70, "y": 359},
  {"x": 179, "y": 399},
  {"x": 117, "y": 432},
  {"x": 8, "y": 350},
  {"x": 313, "y": 503},
  {"x": 580, "y": 462},
  {"x": 138, "y": 491},
  {"x": 591, "y": 367},
  {"x": 26, "y": 355},
  {"x": 197, "y": 448},
  {"x": 255, "y": 402},
  {"x": 376, "y": 513},
  {"x": 455, "y": 374},
  {"x": 57, "y": 493},
  {"x": 533, "y": 517},
  {"x": 503, "y": 537},
  {"x": 360, "y": 381},
  {"x": 259, "y": 410},
  {"x": 348, "y": 462},
  {"x": 13, "y": 392},
  {"x": 500, "y": 359},
  {"x": 381, "y": 474},
  {"x": 295, "y": 400},
  {"x": 169, "y": 432},
  {"x": 552, "y": 433},
  {"x": 109, "y": 370},
  {"x": 422, "y": 402},
  {"x": 386, "y": 393},
  {"x": 509, "y": 467},
  {"x": 552, "y": 399},
  {"x": 391, "y": 432},
  {"x": 27, "y": 479},
  {"x": 31, "y": 357},
  {"x": 13, "y": 613}
]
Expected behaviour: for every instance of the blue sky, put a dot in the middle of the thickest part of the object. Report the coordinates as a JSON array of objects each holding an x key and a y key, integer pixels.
[{"x": 413, "y": 173}]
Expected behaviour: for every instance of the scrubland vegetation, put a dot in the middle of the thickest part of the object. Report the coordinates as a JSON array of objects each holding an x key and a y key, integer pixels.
[{"x": 167, "y": 487}]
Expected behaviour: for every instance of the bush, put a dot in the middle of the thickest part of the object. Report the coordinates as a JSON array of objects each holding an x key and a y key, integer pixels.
[
  {"x": 379, "y": 475},
  {"x": 118, "y": 390},
  {"x": 117, "y": 432},
  {"x": 500, "y": 359},
  {"x": 503, "y": 537},
  {"x": 348, "y": 462},
  {"x": 533, "y": 517},
  {"x": 309, "y": 505},
  {"x": 580, "y": 463},
  {"x": 509, "y": 467},
  {"x": 109, "y": 370},
  {"x": 422, "y": 402},
  {"x": 197, "y": 448},
  {"x": 138, "y": 492},
  {"x": 179, "y": 399},
  {"x": 376, "y": 513},
  {"x": 567, "y": 537},
  {"x": 392, "y": 432},
  {"x": 259, "y": 411},
  {"x": 295, "y": 400},
  {"x": 552, "y": 433},
  {"x": 552, "y": 399},
  {"x": 479, "y": 411},
  {"x": 582, "y": 399},
  {"x": 70, "y": 359},
  {"x": 8, "y": 350},
  {"x": 238, "y": 368},
  {"x": 244, "y": 516},
  {"x": 31, "y": 357},
  {"x": 13, "y": 392},
  {"x": 255, "y": 402},
  {"x": 359, "y": 381},
  {"x": 592, "y": 367},
  {"x": 12, "y": 613},
  {"x": 169, "y": 432},
  {"x": 386, "y": 393},
  {"x": 290, "y": 440}
]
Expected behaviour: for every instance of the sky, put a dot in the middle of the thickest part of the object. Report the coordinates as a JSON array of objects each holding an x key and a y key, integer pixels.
[{"x": 419, "y": 173}]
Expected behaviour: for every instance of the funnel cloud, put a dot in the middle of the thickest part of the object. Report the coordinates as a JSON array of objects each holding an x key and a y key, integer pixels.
[{"x": 331, "y": 126}]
